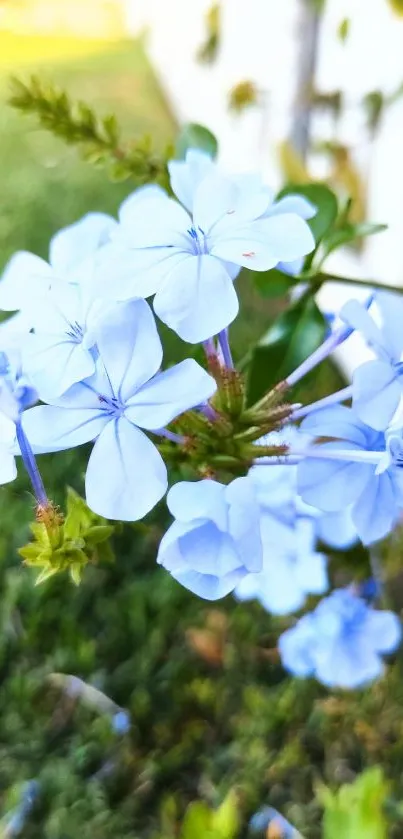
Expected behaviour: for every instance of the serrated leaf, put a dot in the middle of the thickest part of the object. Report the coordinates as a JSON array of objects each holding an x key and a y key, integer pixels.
[
  {"x": 293, "y": 336},
  {"x": 195, "y": 136},
  {"x": 324, "y": 200}
]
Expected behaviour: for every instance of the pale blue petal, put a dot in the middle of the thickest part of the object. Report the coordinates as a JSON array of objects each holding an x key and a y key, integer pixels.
[
  {"x": 216, "y": 197},
  {"x": 244, "y": 522},
  {"x": 391, "y": 307},
  {"x": 376, "y": 393},
  {"x": 292, "y": 268},
  {"x": 197, "y": 547},
  {"x": 130, "y": 347},
  {"x": 169, "y": 394},
  {"x": 8, "y": 469},
  {"x": 337, "y": 530},
  {"x": 72, "y": 245},
  {"x": 333, "y": 485},
  {"x": 126, "y": 475},
  {"x": 153, "y": 221},
  {"x": 56, "y": 310},
  {"x": 207, "y": 550},
  {"x": 53, "y": 429},
  {"x": 296, "y": 647},
  {"x": 336, "y": 421},
  {"x": 198, "y": 299},
  {"x": 357, "y": 316},
  {"x": 70, "y": 363},
  {"x": 383, "y": 630},
  {"x": 375, "y": 513},
  {"x": 221, "y": 202},
  {"x": 186, "y": 175},
  {"x": 261, "y": 244},
  {"x": 123, "y": 274},
  {"x": 189, "y": 500},
  {"x": 350, "y": 664},
  {"x": 293, "y": 204},
  {"x": 24, "y": 277},
  {"x": 208, "y": 586}
]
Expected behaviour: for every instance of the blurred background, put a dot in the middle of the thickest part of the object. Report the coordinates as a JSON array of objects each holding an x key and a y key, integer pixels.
[{"x": 300, "y": 90}]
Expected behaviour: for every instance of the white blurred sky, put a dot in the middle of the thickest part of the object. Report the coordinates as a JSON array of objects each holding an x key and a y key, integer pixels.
[{"x": 260, "y": 42}]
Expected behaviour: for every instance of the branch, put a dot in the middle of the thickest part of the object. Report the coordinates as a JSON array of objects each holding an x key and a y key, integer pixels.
[
  {"x": 98, "y": 137},
  {"x": 321, "y": 278}
]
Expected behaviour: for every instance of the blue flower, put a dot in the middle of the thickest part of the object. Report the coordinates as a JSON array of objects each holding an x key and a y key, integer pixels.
[
  {"x": 277, "y": 493},
  {"x": 215, "y": 538},
  {"x": 126, "y": 475},
  {"x": 70, "y": 254},
  {"x": 8, "y": 469},
  {"x": 304, "y": 209},
  {"x": 292, "y": 568},
  {"x": 360, "y": 468},
  {"x": 189, "y": 262},
  {"x": 186, "y": 175},
  {"x": 65, "y": 322},
  {"x": 340, "y": 642},
  {"x": 378, "y": 384}
]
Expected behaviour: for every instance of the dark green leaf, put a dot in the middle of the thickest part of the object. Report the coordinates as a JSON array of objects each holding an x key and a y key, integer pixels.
[
  {"x": 294, "y": 335},
  {"x": 272, "y": 283},
  {"x": 194, "y": 136},
  {"x": 323, "y": 199}
]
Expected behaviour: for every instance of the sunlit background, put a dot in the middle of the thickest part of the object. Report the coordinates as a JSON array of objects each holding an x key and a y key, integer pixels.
[{"x": 298, "y": 89}]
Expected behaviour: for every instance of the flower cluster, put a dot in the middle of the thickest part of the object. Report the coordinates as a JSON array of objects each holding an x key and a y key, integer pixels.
[{"x": 259, "y": 494}]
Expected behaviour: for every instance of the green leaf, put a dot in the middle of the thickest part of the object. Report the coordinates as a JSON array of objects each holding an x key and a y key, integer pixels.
[
  {"x": 343, "y": 29},
  {"x": 272, "y": 283},
  {"x": 348, "y": 234},
  {"x": 324, "y": 200},
  {"x": 355, "y": 811},
  {"x": 293, "y": 336},
  {"x": 194, "y": 136},
  {"x": 225, "y": 821},
  {"x": 197, "y": 821}
]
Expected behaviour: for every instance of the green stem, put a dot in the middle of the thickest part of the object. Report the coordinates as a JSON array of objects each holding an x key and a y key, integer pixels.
[{"x": 333, "y": 278}]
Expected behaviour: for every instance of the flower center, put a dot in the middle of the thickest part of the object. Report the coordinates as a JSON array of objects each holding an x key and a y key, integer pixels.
[
  {"x": 75, "y": 332},
  {"x": 198, "y": 241},
  {"x": 111, "y": 405}
]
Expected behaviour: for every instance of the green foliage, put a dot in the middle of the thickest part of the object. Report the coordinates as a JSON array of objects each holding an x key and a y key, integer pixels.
[
  {"x": 208, "y": 51},
  {"x": 194, "y": 136},
  {"x": 68, "y": 544},
  {"x": 202, "y": 822},
  {"x": 355, "y": 811},
  {"x": 99, "y": 138},
  {"x": 324, "y": 199},
  {"x": 343, "y": 29},
  {"x": 243, "y": 95},
  {"x": 294, "y": 335}
]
